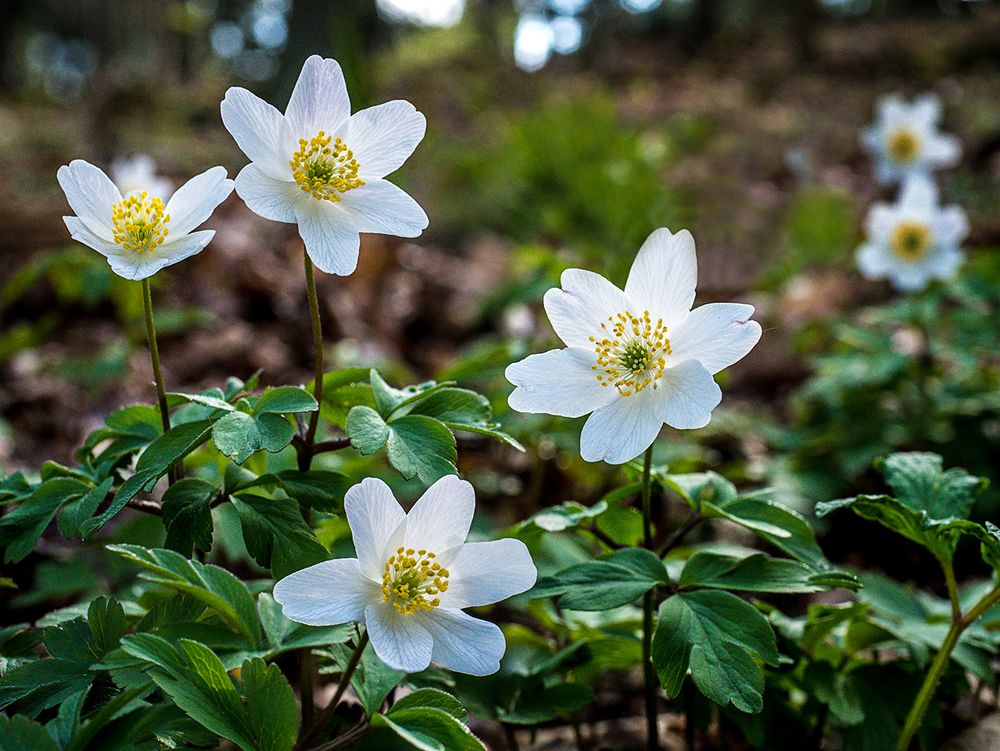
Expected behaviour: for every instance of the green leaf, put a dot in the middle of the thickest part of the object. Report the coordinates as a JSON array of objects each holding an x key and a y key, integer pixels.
[
  {"x": 74, "y": 513},
  {"x": 430, "y": 729},
  {"x": 754, "y": 573},
  {"x": 21, "y": 528},
  {"x": 781, "y": 527},
  {"x": 159, "y": 456},
  {"x": 388, "y": 399},
  {"x": 187, "y": 515},
  {"x": 317, "y": 489},
  {"x": 462, "y": 409},
  {"x": 609, "y": 582},
  {"x": 372, "y": 681},
  {"x": 21, "y": 734},
  {"x": 212, "y": 586},
  {"x": 285, "y": 400},
  {"x": 263, "y": 718},
  {"x": 919, "y": 482},
  {"x": 239, "y": 435},
  {"x": 564, "y": 516},
  {"x": 548, "y": 703},
  {"x": 367, "y": 430},
  {"x": 422, "y": 446},
  {"x": 205, "y": 400},
  {"x": 431, "y": 697},
  {"x": 276, "y": 535},
  {"x": 720, "y": 638}
]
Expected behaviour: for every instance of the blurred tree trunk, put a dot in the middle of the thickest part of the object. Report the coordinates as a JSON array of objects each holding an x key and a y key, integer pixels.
[
  {"x": 804, "y": 18},
  {"x": 705, "y": 20}
]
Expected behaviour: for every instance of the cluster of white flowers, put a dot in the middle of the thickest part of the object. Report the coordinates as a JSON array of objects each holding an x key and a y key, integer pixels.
[
  {"x": 636, "y": 358},
  {"x": 914, "y": 240}
]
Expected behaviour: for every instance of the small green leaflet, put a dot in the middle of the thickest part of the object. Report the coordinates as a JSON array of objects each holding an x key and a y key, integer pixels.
[{"x": 609, "y": 582}]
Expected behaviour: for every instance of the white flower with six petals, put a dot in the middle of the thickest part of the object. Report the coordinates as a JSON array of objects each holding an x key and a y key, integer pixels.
[
  {"x": 413, "y": 575},
  {"x": 637, "y": 358},
  {"x": 322, "y": 168},
  {"x": 905, "y": 140},
  {"x": 138, "y": 232},
  {"x": 913, "y": 240}
]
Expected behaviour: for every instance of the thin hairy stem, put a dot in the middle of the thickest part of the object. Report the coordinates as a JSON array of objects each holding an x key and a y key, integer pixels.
[{"x": 317, "y": 334}]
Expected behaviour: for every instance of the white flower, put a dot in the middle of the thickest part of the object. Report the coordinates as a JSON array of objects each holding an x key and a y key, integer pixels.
[
  {"x": 913, "y": 240},
  {"x": 413, "y": 575},
  {"x": 138, "y": 174},
  {"x": 138, "y": 233},
  {"x": 636, "y": 359},
  {"x": 905, "y": 139},
  {"x": 322, "y": 168}
]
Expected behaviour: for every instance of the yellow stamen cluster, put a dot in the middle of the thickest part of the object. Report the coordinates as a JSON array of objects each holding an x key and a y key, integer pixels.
[
  {"x": 412, "y": 579},
  {"x": 911, "y": 240},
  {"x": 903, "y": 145},
  {"x": 140, "y": 223},
  {"x": 631, "y": 354},
  {"x": 324, "y": 169}
]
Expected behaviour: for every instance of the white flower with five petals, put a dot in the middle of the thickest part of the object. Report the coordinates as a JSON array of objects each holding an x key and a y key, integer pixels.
[
  {"x": 138, "y": 232},
  {"x": 413, "y": 575},
  {"x": 637, "y": 358},
  {"x": 905, "y": 140},
  {"x": 322, "y": 168},
  {"x": 913, "y": 240}
]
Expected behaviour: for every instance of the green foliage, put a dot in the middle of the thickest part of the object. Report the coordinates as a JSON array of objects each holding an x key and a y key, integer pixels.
[{"x": 612, "y": 581}]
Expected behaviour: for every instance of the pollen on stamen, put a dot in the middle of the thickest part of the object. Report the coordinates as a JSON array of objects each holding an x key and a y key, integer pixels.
[
  {"x": 632, "y": 355},
  {"x": 139, "y": 223},
  {"x": 411, "y": 580},
  {"x": 323, "y": 170}
]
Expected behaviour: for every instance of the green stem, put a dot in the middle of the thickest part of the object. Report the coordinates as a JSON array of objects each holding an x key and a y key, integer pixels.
[
  {"x": 938, "y": 666},
  {"x": 648, "y": 605},
  {"x": 307, "y": 672},
  {"x": 331, "y": 708},
  {"x": 949, "y": 579},
  {"x": 154, "y": 354},
  {"x": 317, "y": 333}
]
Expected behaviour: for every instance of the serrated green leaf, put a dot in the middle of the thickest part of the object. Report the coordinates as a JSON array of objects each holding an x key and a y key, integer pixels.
[
  {"x": 423, "y": 447},
  {"x": 367, "y": 430},
  {"x": 919, "y": 482},
  {"x": 214, "y": 587},
  {"x": 21, "y": 528},
  {"x": 276, "y": 535},
  {"x": 21, "y": 734},
  {"x": 272, "y": 714},
  {"x": 462, "y": 409},
  {"x": 75, "y": 512},
  {"x": 720, "y": 638},
  {"x": 187, "y": 515},
  {"x": 285, "y": 400},
  {"x": 754, "y": 573},
  {"x": 612, "y": 581},
  {"x": 239, "y": 435},
  {"x": 431, "y": 697}
]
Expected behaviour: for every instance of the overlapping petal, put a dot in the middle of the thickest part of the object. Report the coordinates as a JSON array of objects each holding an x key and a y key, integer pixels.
[
  {"x": 440, "y": 520},
  {"x": 380, "y": 206},
  {"x": 91, "y": 195},
  {"x": 488, "y": 572},
  {"x": 401, "y": 642},
  {"x": 463, "y": 643},
  {"x": 268, "y": 197},
  {"x": 558, "y": 382},
  {"x": 383, "y": 137},
  {"x": 136, "y": 266},
  {"x": 716, "y": 335},
  {"x": 664, "y": 276},
  {"x": 688, "y": 396},
  {"x": 260, "y": 131},
  {"x": 326, "y": 593},
  {"x": 193, "y": 203},
  {"x": 331, "y": 238},
  {"x": 319, "y": 100},
  {"x": 623, "y": 429},
  {"x": 375, "y": 517}
]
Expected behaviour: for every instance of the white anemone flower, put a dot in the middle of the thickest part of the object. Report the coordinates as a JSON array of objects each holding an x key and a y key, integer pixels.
[
  {"x": 138, "y": 232},
  {"x": 322, "y": 168},
  {"x": 137, "y": 174},
  {"x": 913, "y": 240},
  {"x": 413, "y": 575},
  {"x": 905, "y": 140},
  {"x": 637, "y": 358}
]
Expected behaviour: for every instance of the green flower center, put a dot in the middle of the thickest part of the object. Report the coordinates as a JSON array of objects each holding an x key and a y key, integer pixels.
[
  {"x": 911, "y": 241},
  {"x": 412, "y": 579},
  {"x": 903, "y": 145},
  {"x": 631, "y": 352}
]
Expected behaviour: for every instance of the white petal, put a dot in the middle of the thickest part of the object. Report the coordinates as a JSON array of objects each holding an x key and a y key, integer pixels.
[
  {"x": 925, "y": 110},
  {"x": 919, "y": 194},
  {"x": 195, "y": 200},
  {"x": 942, "y": 150},
  {"x": 319, "y": 100},
  {"x": 135, "y": 266},
  {"x": 558, "y": 382},
  {"x": 440, "y": 519},
  {"x": 664, "y": 275},
  {"x": 380, "y": 206},
  {"x": 267, "y": 197},
  {"x": 331, "y": 239},
  {"x": 91, "y": 195},
  {"x": 909, "y": 277},
  {"x": 874, "y": 260},
  {"x": 384, "y": 136},
  {"x": 486, "y": 572},
  {"x": 259, "y": 130},
  {"x": 574, "y": 318},
  {"x": 716, "y": 335},
  {"x": 944, "y": 262},
  {"x": 950, "y": 226},
  {"x": 688, "y": 395},
  {"x": 588, "y": 299},
  {"x": 400, "y": 641},
  {"x": 374, "y": 515},
  {"x": 882, "y": 220},
  {"x": 463, "y": 643},
  {"x": 326, "y": 593},
  {"x": 623, "y": 429},
  {"x": 81, "y": 233}
]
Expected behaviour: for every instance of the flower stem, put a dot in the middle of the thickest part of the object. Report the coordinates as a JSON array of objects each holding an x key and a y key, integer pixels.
[
  {"x": 345, "y": 681},
  {"x": 938, "y": 666},
  {"x": 648, "y": 605},
  {"x": 154, "y": 356},
  {"x": 317, "y": 333}
]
